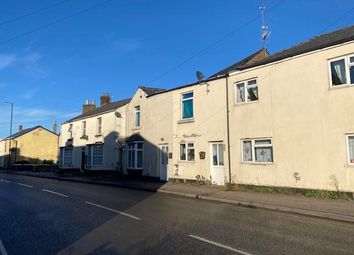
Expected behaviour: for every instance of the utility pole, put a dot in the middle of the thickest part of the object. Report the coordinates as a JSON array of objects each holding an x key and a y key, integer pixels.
[{"x": 11, "y": 117}]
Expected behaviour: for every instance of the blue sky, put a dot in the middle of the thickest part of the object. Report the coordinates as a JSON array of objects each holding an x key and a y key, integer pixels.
[{"x": 119, "y": 45}]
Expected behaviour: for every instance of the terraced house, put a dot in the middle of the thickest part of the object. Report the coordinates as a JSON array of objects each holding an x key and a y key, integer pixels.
[
  {"x": 94, "y": 140},
  {"x": 284, "y": 119}
]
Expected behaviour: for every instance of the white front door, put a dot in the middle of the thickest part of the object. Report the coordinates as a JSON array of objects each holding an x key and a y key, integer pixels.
[
  {"x": 163, "y": 162},
  {"x": 217, "y": 163}
]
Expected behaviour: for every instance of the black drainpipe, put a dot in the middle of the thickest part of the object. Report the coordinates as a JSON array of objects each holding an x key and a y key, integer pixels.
[{"x": 228, "y": 127}]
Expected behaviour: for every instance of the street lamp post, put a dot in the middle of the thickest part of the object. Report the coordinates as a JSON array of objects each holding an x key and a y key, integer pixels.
[{"x": 12, "y": 113}]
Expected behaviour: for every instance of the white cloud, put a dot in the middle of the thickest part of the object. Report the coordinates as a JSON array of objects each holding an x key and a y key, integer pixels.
[
  {"x": 29, "y": 94},
  {"x": 31, "y": 64},
  {"x": 6, "y": 60}
]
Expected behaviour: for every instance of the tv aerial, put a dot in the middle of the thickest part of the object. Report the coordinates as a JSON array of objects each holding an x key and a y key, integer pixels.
[{"x": 200, "y": 76}]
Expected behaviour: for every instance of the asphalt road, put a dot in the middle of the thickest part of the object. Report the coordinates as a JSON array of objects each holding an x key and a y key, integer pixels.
[{"x": 43, "y": 216}]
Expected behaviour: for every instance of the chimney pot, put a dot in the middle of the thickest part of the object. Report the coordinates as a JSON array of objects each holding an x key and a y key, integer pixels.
[
  {"x": 20, "y": 128},
  {"x": 105, "y": 98},
  {"x": 88, "y": 106}
]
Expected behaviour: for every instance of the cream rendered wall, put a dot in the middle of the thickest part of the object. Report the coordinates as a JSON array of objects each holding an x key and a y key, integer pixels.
[
  {"x": 306, "y": 119},
  {"x": 150, "y": 127},
  {"x": 209, "y": 102},
  {"x": 113, "y": 129}
]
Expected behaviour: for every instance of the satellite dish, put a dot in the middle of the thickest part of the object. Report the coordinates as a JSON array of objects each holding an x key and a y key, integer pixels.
[{"x": 200, "y": 75}]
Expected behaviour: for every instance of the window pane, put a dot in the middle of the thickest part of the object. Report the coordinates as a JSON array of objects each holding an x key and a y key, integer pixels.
[
  {"x": 351, "y": 60},
  {"x": 187, "y": 109},
  {"x": 252, "y": 82},
  {"x": 351, "y": 71},
  {"x": 338, "y": 72},
  {"x": 182, "y": 151},
  {"x": 130, "y": 159},
  {"x": 215, "y": 155},
  {"x": 140, "y": 145},
  {"x": 264, "y": 154},
  {"x": 351, "y": 148},
  {"x": 191, "y": 145},
  {"x": 139, "y": 159},
  {"x": 240, "y": 97},
  {"x": 190, "y": 154},
  {"x": 221, "y": 154},
  {"x": 260, "y": 142},
  {"x": 187, "y": 95},
  {"x": 247, "y": 151},
  {"x": 252, "y": 94}
]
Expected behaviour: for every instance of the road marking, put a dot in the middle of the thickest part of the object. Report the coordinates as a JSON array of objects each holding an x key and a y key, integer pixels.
[
  {"x": 219, "y": 245},
  {"x": 112, "y": 210},
  {"x": 24, "y": 185},
  {"x": 4, "y": 181},
  {"x": 2, "y": 249},
  {"x": 53, "y": 192}
]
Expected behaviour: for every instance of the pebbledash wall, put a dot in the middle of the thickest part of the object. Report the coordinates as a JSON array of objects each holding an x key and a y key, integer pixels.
[{"x": 305, "y": 117}]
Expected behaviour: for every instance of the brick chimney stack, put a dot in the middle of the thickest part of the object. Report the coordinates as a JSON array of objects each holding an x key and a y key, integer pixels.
[
  {"x": 105, "y": 98},
  {"x": 88, "y": 106}
]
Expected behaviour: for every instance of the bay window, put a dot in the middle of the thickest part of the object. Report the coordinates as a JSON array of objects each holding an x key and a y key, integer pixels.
[
  {"x": 94, "y": 155},
  {"x": 65, "y": 156}
]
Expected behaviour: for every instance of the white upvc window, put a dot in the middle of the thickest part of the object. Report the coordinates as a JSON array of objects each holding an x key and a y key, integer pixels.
[
  {"x": 350, "y": 149},
  {"x": 187, "y": 152},
  {"x": 99, "y": 126},
  {"x": 135, "y": 155},
  {"x": 257, "y": 150},
  {"x": 246, "y": 91},
  {"x": 70, "y": 131},
  {"x": 137, "y": 116},
  {"x": 83, "y": 128},
  {"x": 187, "y": 111},
  {"x": 66, "y": 156},
  {"x": 94, "y": 155},
  {"x": 342, "y": 71}
]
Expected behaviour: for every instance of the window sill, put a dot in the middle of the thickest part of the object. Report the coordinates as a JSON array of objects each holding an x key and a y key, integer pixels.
[
  {"x": 136, "y": 129},
  {"x": 341, "y": 86},
  {"x": 185, "y": 121},
  {"x": 257, "y": 163},
  {"x": 185, "y": 161},
  {"x": 245, "y": 103},
  {"x": 98, "y": 135}
]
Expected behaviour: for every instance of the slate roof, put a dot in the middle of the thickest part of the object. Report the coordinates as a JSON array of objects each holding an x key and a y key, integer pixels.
[
  {"x": 25, "y": 131},
  {"x": 316, "y": 43},
  {"x": 239, "y": 63},
  {"x": 101, "y": 109},
  {"x": 151, "y": 91}
]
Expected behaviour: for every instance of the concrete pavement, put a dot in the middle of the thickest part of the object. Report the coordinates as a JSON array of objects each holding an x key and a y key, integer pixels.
[
  {"x": 339, "y": 210},
  {"x": 77, "y": 218}
]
